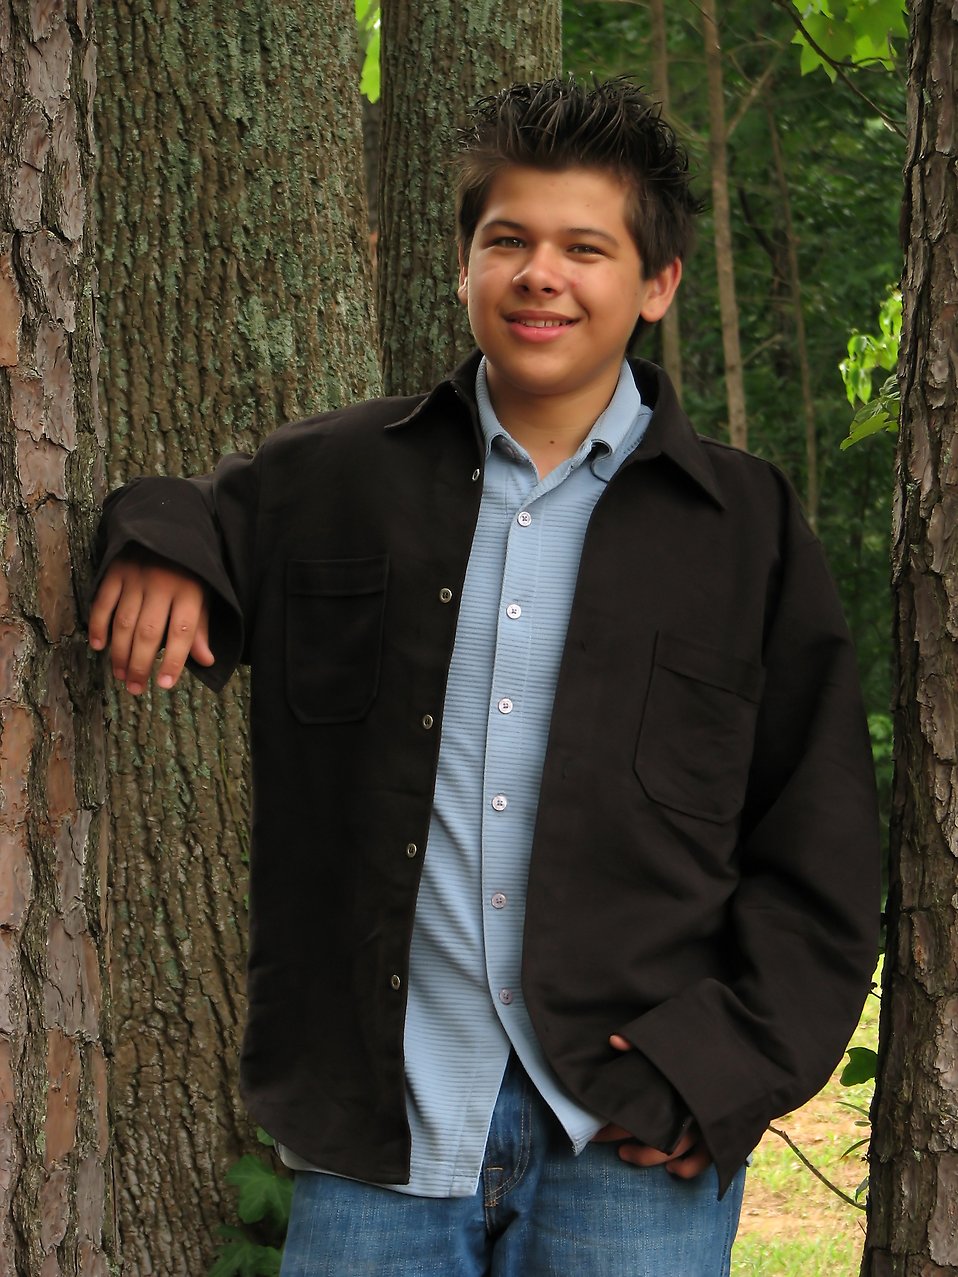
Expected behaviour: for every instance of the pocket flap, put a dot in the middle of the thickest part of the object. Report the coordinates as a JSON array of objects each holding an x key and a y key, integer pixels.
[
  {"x": 336, "y": 576},
  {"x": 705, "y": 664}
]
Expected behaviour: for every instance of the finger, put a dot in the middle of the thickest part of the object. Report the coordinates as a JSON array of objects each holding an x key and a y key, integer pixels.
[
  {"x": 148, "y": 637},
  {"x": 620, "y": 1043},
  {"x": 692, "y": 1164},
  {"x": 637, "y": 1154},
  {"x": 123, "y": 629},
  {"x": 201, "y": 651},
  {"x": 103, "y": 604},
  {"x": 180, "y": 638}
]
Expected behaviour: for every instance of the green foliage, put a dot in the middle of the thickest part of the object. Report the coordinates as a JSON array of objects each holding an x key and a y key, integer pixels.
[
  {"x": 241, "y": 1257},
  {"x": 866, "y": 353},
  {"x": 368, "y": 24},
  {"x": 849, "y": 33},
  {"x": 861, "y": 1066},
  {"x": 264, "y": 1196}
]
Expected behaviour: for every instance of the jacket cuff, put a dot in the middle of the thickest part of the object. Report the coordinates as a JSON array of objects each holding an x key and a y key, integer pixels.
[
  {"x": 167, "y": 521},
  {"x": 631, "y": 1092}
]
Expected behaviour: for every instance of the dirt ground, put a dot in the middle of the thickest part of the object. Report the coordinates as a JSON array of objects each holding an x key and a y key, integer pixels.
[{"x": 783, "y": 1200}]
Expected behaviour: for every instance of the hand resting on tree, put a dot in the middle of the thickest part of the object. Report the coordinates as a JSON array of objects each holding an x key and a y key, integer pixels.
[{"x": 143, "y": 603}]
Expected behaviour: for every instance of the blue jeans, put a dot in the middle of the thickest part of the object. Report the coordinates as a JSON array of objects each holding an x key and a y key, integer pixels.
[{"x": 539, "y": 1212}]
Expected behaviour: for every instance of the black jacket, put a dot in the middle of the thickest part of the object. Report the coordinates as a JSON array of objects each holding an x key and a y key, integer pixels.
[{"x": 704, "y": 875}]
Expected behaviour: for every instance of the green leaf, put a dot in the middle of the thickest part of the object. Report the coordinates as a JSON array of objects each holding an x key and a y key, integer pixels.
[
  {"x": 857, "y": 1108},
  {"x": 263, "y": 1194},
  {"x": 369, "y": 81},
  {"x": 853, "y": 1148},
  {"x": 861, "y": 1066},
  {"x": 264, "y": 1137},
  {"x": 241, "y": 1257}
]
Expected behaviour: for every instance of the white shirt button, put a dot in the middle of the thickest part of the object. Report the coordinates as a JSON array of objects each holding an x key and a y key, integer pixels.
[
  {"x": 411, "y": 849},
  {"x": 499, "y": 900},
  {"x": 513, "y": 611},
  {"x": 475, "y": 475},
  {"x": 445, "y": 595},
  {"x": 505, "y": 996},
  {"x": 395, "y": 982},
  {"x": 500, "y": 802},
  {"x": 505, "y": 705},
  {"x": 523, "y": 518}
]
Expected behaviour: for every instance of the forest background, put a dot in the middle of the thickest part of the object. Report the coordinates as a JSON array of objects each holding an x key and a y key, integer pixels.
[{"x": 193, "y": 191}]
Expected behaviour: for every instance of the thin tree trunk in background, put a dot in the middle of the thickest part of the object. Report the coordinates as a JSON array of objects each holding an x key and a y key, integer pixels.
[
  {"x": 235, "y": 294},
  {"x": 798, "y": 316},
  {"x": 913, "y": 1196},
  {"x": 671, "y": 340},
  {"x": 721, "y": 214},
  {"x": 471, "y": 50},
  {"x": 53, "y": 943}
]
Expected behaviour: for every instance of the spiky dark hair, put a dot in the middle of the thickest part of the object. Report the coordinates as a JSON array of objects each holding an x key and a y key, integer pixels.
[{"x": 611, "y": 126}]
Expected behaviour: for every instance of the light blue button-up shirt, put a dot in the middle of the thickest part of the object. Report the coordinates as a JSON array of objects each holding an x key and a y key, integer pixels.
[{"x": 465, "y": 1006}]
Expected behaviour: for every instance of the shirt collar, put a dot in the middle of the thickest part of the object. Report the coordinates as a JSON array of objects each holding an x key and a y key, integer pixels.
[
  {"x": 615, "y": 433},
  {"x": 670, "y": 433}
]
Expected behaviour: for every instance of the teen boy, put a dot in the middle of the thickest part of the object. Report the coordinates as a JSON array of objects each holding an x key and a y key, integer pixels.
[{"x": 564, "y": 869}]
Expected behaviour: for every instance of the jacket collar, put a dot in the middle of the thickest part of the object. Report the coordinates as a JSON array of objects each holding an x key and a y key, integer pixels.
[{"x": 670, "y": 433}]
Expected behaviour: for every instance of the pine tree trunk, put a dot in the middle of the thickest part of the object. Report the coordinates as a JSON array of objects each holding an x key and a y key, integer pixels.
[
  {"x": 235, "y": 294},
  {"x": 671, "y": 339},
  {"x": 722, "y": 218},
  {"x": 798, "y": 321},
  {"x": 913, "y": 1201},
  {"x": 53, "y": 942},
  {"x": 437, "y": 59}
]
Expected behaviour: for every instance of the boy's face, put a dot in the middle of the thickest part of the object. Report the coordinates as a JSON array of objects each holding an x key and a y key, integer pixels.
[{"x": 554, "y": 286}]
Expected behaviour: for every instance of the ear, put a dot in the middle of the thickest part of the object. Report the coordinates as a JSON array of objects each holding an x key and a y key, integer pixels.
[
  {"x": 462, "y": 292},
  {"x": 660, "y": 290}
]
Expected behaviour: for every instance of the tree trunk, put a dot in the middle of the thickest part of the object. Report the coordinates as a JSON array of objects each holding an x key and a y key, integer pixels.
[
  {"x": 798, "y": 320},
  {"x": 722, "y": 219},
  {"x": 235, "y": 294},
  {"x": 671, "y": 340},
  {"x": 53, "y": 942},
  {"x": 469, "y": 50},
  {"x": 913, "y": 1205}
]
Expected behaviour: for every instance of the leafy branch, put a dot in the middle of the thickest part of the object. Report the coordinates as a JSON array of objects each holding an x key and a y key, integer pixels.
[{"x": 840, "y": 68}]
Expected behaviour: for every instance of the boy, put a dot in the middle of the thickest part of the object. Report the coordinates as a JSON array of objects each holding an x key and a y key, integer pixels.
[{"x": 564, "y": 877}]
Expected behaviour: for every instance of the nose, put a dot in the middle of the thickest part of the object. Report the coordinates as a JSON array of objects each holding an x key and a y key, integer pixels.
[{"x": 540, "y": 272}]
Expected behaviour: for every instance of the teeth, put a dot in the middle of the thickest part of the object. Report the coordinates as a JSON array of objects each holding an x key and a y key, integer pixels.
[{"x": 543, "y": 323}]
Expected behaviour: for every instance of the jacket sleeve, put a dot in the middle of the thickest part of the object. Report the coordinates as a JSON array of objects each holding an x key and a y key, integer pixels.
[
  {"x": 803, "y": 919},
  {"x": 205, "y": 525}
]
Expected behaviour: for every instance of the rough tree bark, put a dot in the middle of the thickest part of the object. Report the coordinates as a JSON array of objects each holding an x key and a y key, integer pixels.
[
  {"x": 913, "y": 1199},
  {"x": 235, "y": 293},
  {"x": 53, "y": 947},
  {"x": 722, "y": 221},
  {"x": 469, "y": 50}
]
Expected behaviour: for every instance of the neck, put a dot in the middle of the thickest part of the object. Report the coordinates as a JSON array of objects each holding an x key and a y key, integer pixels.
[{"x": 549, "y": 427}]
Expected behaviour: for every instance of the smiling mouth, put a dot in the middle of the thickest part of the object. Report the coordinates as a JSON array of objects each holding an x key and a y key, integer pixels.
[{"x": 543, "y": 323}]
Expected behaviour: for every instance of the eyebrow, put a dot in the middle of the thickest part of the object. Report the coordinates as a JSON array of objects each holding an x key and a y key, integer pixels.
[{"x": 587, "y": 231}]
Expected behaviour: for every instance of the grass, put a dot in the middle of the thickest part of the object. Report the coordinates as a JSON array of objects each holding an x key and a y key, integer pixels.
[{"x": 791, "y": 1223}]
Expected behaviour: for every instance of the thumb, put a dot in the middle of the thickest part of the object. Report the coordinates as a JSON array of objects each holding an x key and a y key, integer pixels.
[{"x": 620, "y": 1043}]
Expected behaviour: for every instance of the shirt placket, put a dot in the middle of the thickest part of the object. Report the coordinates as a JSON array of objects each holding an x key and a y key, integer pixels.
[{"x": 509, "y": 802}]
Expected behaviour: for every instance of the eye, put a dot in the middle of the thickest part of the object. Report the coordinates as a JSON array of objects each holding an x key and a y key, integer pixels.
[
  {"x": 586, "y": 250},
  {"x": 507, "y": 241}
]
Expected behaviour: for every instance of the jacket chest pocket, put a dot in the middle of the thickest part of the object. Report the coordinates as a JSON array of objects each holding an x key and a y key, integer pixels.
[
  {"x": 334, "y": 626},
  {"x": 695, "y": 743}
]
